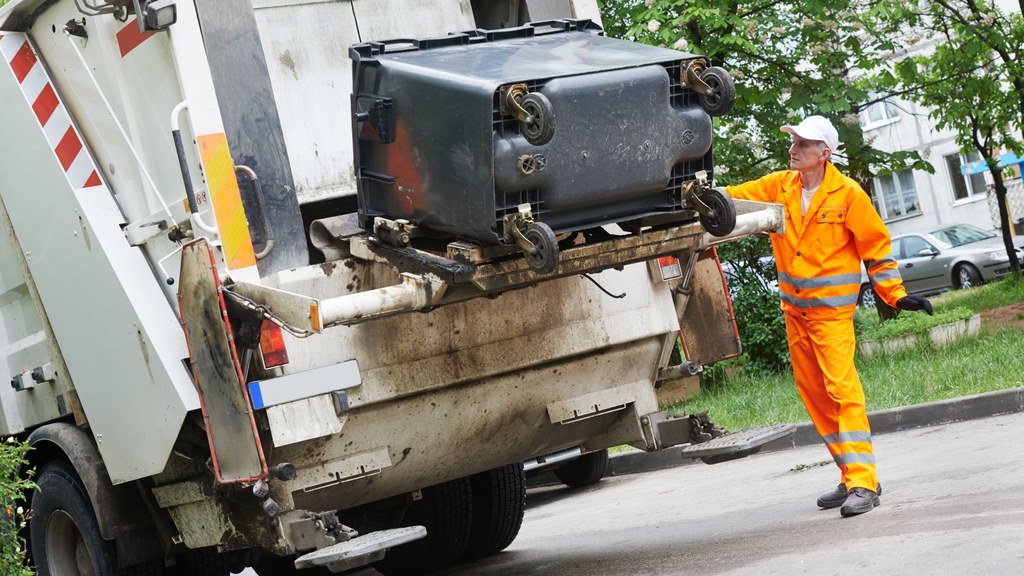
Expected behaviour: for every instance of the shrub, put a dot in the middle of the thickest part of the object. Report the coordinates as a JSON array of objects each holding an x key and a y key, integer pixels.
[
  {"x": 908, "y": 323},
  {"x": 752, "y": 281},
  {"x": 13, "y": 487}
]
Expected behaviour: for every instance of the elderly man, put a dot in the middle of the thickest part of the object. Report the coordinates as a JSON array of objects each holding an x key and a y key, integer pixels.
[{"x": 831, "y": 228}]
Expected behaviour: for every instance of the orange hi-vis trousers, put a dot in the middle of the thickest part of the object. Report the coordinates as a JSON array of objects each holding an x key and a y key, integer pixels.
[{"x": 822, "y": 354}]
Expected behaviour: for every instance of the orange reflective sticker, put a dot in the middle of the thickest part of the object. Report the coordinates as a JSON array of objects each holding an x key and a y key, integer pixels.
[{"x": 227, "y": 201}]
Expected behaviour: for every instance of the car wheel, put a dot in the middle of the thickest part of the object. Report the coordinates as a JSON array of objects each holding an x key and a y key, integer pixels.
[
  {"x": 967, "y": 276},
  {"x": 866, "y": 297}
]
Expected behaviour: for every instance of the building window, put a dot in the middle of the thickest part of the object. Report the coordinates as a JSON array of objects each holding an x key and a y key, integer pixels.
[
  {"x": 965, "y": 185},
  {"x": 895, "y": 195},
  {"x": 880, "y": 113}
]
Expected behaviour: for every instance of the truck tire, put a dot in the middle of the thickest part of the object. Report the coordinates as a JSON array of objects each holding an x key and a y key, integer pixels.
[
  {"x": 585, "y": 470},
  {"x": 201, "y": 562},
  {"x": 446, "y": 511},
  {"x": 63, "y": 532},
  {"x": 499, "y": 503}
]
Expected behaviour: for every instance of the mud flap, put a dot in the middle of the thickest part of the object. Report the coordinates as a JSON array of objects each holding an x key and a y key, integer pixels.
[
  {"x": 738, "y": 444},
  {"x": 360, "y": 551},
  {"x": 227, "y": 410},
  {"x": 707, "y": 324}
]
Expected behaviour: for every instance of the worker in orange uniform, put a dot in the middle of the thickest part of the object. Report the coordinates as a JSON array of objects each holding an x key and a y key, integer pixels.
[{"x": 831, "y": 228}]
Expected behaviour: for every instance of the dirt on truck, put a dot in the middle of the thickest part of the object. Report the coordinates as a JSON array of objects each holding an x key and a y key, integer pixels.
[{"x": 301, "y": 285}]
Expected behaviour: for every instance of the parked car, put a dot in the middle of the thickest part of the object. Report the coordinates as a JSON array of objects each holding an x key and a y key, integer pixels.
[
  {"x": 938, "y": 259},
  {"x": 951, "y": 256}
]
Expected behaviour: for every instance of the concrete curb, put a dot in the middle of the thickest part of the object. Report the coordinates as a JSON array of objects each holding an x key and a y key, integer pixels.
[{"x": 882, "y": 422}]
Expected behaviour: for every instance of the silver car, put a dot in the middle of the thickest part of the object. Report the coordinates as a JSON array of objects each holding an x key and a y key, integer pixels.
[{"x": 951, "y": 256}]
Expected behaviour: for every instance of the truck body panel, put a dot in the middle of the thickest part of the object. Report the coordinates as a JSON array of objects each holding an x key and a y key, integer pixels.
[
  {"x": 99, "y": 293},
  {"x": 410, "y": 365}
]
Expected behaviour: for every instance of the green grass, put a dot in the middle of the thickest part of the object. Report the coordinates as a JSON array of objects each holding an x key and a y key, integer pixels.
[
  {"x": 994, "y": 360},
  {"x": 869, "y": 327}
]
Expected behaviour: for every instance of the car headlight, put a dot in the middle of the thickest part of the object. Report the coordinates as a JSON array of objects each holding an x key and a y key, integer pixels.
[{"x": 998, "y": 255}]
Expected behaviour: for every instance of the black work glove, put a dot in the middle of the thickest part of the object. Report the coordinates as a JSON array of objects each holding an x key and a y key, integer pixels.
[{"x": 914, "y": 303}]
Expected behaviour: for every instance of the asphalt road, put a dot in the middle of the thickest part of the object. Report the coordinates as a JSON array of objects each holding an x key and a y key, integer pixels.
[{"x": 953, "y": 503}]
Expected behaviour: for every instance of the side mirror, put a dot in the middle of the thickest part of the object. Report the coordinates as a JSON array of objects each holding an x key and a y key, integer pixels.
[
  {"x": 927, "y": 252},
  {"x": 155, "y": 14}
]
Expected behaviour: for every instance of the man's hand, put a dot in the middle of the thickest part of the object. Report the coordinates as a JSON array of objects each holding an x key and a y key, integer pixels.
[{"x": 914, "y": 303}]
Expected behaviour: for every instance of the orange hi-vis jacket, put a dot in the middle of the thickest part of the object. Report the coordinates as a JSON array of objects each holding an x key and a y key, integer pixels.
[{"x": 819, "y": 254}]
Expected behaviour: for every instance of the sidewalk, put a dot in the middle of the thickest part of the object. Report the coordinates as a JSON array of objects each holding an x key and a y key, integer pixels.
[{"x": 882, "y": 422}]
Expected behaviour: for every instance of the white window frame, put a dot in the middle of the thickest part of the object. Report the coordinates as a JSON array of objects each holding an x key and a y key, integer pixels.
[
  {"x": 966, "y": 179},
  {"x": 879, "y": 201},
  {"x": 890, "y": 114}
]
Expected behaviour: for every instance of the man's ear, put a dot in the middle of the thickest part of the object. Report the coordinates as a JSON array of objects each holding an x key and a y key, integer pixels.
[{"x": 826, "y": 153}]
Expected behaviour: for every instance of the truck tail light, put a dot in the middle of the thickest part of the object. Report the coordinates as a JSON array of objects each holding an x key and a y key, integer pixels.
[
  {"x": 272, "y": 345},
  {"x": 669, "y": 268}
]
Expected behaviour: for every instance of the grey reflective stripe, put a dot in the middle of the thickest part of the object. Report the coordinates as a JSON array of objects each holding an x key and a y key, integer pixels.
[
  {"x": 872, "y": 263},
  {"x": 821, "y": 281},
  {"x": 854, "y": 458},
  {"x": 847, "y": 437},
  {"x": 830, "y": 302},
  {"x": 893, "y": 274}
]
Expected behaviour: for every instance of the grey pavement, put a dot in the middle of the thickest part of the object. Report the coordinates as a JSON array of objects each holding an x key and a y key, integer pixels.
[
  {"x": 1008, "y": 401},
  {"x": 953, "y": 504}
]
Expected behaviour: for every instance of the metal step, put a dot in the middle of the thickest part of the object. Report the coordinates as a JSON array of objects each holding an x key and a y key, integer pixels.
[
  {"x": 738, "y": 444},
  {"x": 359, "y": 551}
]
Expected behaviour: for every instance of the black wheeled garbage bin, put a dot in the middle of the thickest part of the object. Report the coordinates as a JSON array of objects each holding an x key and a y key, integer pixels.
[{"x": 521, "y": 134}]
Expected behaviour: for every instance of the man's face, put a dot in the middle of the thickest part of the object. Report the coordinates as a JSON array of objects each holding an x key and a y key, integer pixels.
[{"x": 805, "y": 154}]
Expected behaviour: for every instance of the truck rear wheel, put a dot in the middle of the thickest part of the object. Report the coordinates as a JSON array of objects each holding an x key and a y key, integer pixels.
[
  {"x": 65, "y": 537},
  {"x": 446, "y": 511},
  {"x": 585, "y": 470},
  {"x": 499, "y": 503}
]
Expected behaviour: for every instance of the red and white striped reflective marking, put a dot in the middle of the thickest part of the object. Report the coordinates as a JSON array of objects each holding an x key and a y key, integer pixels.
[{"x": 65, "y": 140}]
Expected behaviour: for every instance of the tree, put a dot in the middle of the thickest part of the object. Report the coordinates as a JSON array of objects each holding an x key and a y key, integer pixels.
[
  {"x": 789, "y": 59},
  {"x": 973, "y": 80}
]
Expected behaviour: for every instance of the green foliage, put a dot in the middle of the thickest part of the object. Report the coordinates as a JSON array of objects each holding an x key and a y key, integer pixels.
[
  {"x": 1007, "y": 291},
  {"x": 788, "y": 59},
  {"x": 972, "y": 80},
  {"x": 984, "y": 364},
  {"x": 13, "y": 487},
  {"x": 752, "y": 280},
  {"x": 870, "y": 328}
]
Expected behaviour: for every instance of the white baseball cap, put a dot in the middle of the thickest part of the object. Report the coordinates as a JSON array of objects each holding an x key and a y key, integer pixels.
[{"x": 816, "y": 128}]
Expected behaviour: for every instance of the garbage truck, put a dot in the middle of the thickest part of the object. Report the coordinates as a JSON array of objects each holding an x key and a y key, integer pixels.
[{"x": 301, "y": 284}]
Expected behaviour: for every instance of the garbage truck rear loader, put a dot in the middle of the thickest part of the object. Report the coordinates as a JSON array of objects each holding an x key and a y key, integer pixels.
[{"x": 279, "y": 291}]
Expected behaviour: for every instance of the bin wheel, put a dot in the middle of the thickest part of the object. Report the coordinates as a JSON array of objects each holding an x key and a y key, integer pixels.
[
  {"x": 720, "y": 219},
  {"x": 717, "y": 101},
  {"x": 542, "y": 128},
  {"x": 544, "y": 257}
]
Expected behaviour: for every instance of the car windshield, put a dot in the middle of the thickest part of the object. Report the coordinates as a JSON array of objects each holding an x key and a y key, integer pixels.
[{"x": 961, "y": 234}]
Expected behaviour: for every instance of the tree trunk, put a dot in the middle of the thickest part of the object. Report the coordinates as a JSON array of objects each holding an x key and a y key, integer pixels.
[{"x": 1004, "y": 218}]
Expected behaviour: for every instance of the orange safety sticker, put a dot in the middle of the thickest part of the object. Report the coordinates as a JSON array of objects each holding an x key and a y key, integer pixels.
[{"x": 227, "y": 201}]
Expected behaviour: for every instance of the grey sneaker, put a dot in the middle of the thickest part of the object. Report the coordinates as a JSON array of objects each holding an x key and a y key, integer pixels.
[
  {"x": 834, "y": 498},
  {"x": 859, "y": 501}
]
